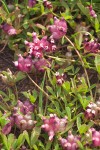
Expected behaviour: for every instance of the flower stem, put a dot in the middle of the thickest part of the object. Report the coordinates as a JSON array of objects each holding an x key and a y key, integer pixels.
[{"x": 82, "y": 62}]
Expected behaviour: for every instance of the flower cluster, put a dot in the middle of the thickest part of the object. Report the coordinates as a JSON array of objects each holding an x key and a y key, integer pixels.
[
  {"x": 59, "y": 78},
  {"x": 70, "y": 143},
  {"x": 21, "y": 117},
  {"x": 38, "y": 47},
  {"x": 31, "y": 3},
  {"x": 92, "y": 12},
  {"x": 41, "y": 64},
  {"x": 9, "y": 29},
  {"x": 94, "y": 136},
  {"x": 54, "y": 125},
  {"x": 58, "y": 29},
  {"x": 24, "y": 64},
  {"x": 93, "y": 110},
  {"x": 91, "y": 46}
]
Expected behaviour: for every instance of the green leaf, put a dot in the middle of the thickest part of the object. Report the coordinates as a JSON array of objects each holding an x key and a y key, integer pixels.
[
  {"x": 66, "y": 86},
  {"x": 5, "y": 6},
  {"x": 26, "y": 135},
  {"x": 35, "y": 147},
  {"x": 84, "y": 10},
  {"x": 20, "y": 141},
  {"x": 10, "y": 140},
  {"x": 50, "y": 90},
  {"x": 83, "y": 128},
  {"x": 42, "y": 9},
  {"x": 80, "y": 145},
  {"x": 48, "y": 145},
  {"x": 96, "y": 24},
  {"x": 19, "y": 76},
  {"x": 41, "y": 96},
  {"x": 97, "y": 63},
  {"x": 5, "y": 141},
  {"x": 35, "y": 95},
  {"x": 78, "y": 122},
  {"x": 35, "y": 135},
  {"x": 68, "y": 111}
]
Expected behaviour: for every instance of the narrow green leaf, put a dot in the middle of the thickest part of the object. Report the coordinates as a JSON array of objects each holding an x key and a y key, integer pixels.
[
  {"x": 26, "y": 135},
  {"x": 48, "y": 145},
  {"x": 10, "y": 140},
  {"x": 35, "y": 135},
  {"x": 78, "y": 122},
  {"x": 96, "y": 24},
  {"x": 97, "y": 63},
  {"x": 5, "y": 141},
  {"x": 68, "y": 111},
  {"x": 20, "y": 141},
  {"x": 5, "y": 6}
]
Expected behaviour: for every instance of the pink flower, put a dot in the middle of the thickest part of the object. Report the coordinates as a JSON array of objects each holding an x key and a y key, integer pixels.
[
  {"x": 24, "y": 64},
  {"x": 41, "y": 64},
  {"x": 7, "y": 128},
  {"x": 59, "y": 78},
  {"x": 91, "y": 46},
  {"x": 53, "y": 125},
  {"x": 59, "y": 28},
  {"x": 92, "y": 110},
  {"x": 48, "y": 46},
  {"x": 31, "y": 3},
  {"x": 37, "y": 47},
  {"x": 25, "y": 107},
  {"x": 70, "y": 143},
  {"x": 21, "y": 117},
  {"x": 94, "y": 136},
  {"x": 47, "y": 4},
  {"x": 92, "y": 12},
  {"x": 9, "y": 29}
]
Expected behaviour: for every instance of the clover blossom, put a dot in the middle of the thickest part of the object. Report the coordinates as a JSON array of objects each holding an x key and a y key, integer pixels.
[
  {"x": 59, "y": 78},
  {"x": 25, "y": 107},
  {"x": 93, "y": 110},
  {"x": 91, "y": 46},
  {"x": 58, "y": 29},
  {"x": 37, "y": 47},
  {"x": 24, "y": 64},
  {"x": 31, "y": 3},
  {"x": 9, "y": 29},
  {"x": 94, "y": 136},
  {"x": 92, "y": 12},
  {"x": 7, "y": 128},
  {"x": 53, "y": 125},
  {"x": 41, "y": 64},
  {"x": 70, "y": 143},
  {"x": 48, "y": 46},
  {"x": 21, "y": 117}
]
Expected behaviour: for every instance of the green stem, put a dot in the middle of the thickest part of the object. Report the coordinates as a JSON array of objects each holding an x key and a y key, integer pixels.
[
  {"x": 82, "y": 62},
  {"x": 16, "y": 92}
]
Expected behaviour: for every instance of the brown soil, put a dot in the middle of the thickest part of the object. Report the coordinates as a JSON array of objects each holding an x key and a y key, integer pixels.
[{"x": 6, "y": 61}]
